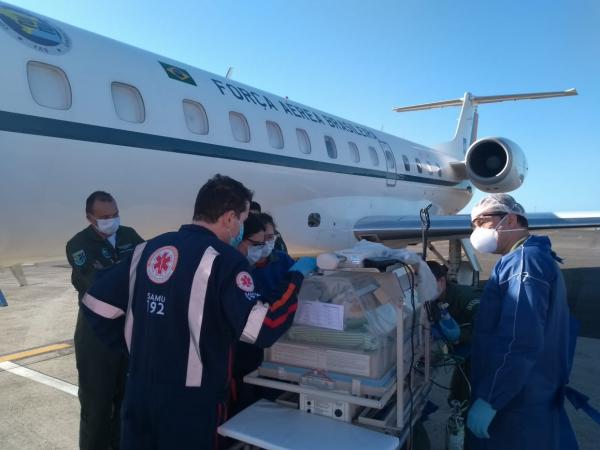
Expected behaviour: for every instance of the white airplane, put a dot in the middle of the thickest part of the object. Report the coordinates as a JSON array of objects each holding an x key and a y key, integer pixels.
[{"x": 80, "y": 112}]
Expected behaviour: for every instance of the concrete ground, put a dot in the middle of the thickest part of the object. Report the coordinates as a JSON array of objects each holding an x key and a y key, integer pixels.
[
  {"x": 35, "y": 415},
  {"x": 41, "y": 410},
  {"x": 584, "y": 377}
]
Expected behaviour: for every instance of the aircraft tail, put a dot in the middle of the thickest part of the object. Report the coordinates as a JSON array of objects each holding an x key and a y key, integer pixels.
[{"x": 466, "y": 130}]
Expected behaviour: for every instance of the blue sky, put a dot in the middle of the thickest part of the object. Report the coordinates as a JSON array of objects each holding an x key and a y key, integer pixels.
[{"x": 359, "y": 59}]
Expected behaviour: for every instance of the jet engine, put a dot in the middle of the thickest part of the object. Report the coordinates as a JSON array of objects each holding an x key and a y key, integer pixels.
[{"x": 495, "y": 164}]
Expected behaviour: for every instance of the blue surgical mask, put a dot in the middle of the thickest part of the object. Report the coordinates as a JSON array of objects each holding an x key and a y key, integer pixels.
[
  {"x": 255, "y": 254},
  {"x": 268, "y": 248},
  {"x": 108, "y": 226},
  {"x": 235, "y": 241}
]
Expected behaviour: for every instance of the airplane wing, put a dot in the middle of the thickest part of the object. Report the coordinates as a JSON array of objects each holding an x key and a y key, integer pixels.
[{"x": 407, "y": 229}]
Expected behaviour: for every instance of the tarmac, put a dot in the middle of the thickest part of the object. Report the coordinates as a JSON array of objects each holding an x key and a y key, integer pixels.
[{"x": 39, "y": 408}]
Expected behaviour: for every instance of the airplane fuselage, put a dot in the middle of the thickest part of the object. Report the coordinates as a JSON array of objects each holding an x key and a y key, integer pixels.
[{"x": 101, "y": 115}]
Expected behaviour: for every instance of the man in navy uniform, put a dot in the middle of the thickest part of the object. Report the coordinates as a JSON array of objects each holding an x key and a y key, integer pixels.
[{"x": 187, "y": 298}]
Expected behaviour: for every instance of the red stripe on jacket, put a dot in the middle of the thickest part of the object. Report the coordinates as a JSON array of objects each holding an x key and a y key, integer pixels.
[
  {"x": 274, "y": 323},
  {"x": 284, "y": 298}
]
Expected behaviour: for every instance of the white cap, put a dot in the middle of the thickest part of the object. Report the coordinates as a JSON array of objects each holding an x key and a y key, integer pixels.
[
  {"x": 328, "y": 261},
  {"x": 497, "y": 204}
]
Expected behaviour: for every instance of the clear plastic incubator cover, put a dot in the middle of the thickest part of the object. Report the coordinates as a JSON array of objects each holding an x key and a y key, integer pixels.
[{"x": 358, "y": 303}]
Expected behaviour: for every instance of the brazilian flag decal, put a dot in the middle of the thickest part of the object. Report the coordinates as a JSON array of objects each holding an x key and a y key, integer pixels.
[{"x": 178, "y": 73}]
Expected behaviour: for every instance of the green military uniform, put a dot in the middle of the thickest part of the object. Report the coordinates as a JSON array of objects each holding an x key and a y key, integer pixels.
[
  {"x": 463, "y": 304},
  {"x": 101, "y": 370}
]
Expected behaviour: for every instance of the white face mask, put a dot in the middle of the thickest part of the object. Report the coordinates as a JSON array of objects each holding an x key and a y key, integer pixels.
[
  {"x": 268, "y": 248},
  {"x": 485, "y": 240},
  {"x": 255, "y": 253},
  {"x": 108, "y": 226}
]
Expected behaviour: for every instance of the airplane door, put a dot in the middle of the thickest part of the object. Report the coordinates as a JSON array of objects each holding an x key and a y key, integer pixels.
[{"x": 390, "y": 163}]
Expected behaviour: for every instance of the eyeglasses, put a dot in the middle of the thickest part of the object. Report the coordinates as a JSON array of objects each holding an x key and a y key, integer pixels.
[
  {"x": 481, "y": 220},
  {"x": 253, "y": 242},
  {"x": 270, "y": 237}
]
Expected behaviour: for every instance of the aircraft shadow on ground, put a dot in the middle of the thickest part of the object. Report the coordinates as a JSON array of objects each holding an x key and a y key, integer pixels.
[{"x": 583, "y": 292}]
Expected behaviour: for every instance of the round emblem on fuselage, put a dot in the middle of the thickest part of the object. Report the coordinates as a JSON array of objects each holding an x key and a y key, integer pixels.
[{"x": 33, "y": 31}]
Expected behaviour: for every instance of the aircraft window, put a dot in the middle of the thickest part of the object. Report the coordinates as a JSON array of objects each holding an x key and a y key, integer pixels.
[
  {"x": 354, "y": 154},
  {"x": 303, "y": 140},
  {"x": 195, "y": 117},
  {"x": 331, "y": 148},
  {"x": 406, "y": 163},
  {"x": 314, "y": 220},
  {"x": 419, "y": 165},
  {"x": 49, "y": 85},
  {"x": 239, "y": 127},
  {"x": 439, "y": 169},
  {"x": 429, "y": 168},
  {"x": 374, "y": 157},
  {"x": 128, "y": 102},
  {"x": 275, "y": 134}
]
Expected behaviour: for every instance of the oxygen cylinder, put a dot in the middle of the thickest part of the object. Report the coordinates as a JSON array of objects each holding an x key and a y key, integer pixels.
[{"x": 455, "y": 429}]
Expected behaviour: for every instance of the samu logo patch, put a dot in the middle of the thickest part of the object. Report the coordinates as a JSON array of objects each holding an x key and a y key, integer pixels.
[
  {"x": 162, "y": 264},
  {"x": 244, "y": 281}
]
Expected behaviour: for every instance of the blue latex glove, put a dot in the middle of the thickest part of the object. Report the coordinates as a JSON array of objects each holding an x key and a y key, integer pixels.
[
  {"x": 480, "y": 417},
  {"x": 304, "y": 265},
  {"x": 450, "y": 329}
]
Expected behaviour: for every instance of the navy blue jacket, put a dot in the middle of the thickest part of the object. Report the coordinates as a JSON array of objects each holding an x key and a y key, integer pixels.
[
  {"x": 187, "y": 298},
  {"x": 268, "y": 277}
]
